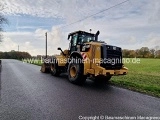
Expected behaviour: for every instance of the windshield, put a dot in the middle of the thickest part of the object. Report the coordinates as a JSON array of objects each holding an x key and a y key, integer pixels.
[{"x": 83, "y": 38}]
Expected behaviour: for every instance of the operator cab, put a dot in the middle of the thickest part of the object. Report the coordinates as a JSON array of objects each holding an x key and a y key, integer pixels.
[{"x": 79, "y": 38}]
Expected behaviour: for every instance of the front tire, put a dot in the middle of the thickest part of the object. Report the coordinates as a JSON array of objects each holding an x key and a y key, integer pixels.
[{"x": 75, "y": 73}]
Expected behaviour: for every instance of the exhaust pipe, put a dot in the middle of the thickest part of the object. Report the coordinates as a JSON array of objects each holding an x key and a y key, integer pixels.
[{"x": 96, "y": 35}]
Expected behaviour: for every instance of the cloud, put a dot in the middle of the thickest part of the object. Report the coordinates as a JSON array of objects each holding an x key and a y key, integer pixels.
[
  {"x": 40, "y": 32},
  {"x": 34, "y": 43},
  {"x": 73, "y": 10},
  {"x": 8, "y": 45},
  {"x": 152, "y": 40},
  {"x": 154, "y": 11},
  {"x": 70, "y": 10},
  {"x": 27, "y": 43},
  {"x": 132, "y": 25}
]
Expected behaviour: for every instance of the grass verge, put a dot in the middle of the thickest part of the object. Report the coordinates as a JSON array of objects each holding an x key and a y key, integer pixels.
[{"x": 142, "y": 77}]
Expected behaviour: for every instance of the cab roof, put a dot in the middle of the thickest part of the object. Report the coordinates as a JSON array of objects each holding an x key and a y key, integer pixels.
[{"x": 82, "y": 32}]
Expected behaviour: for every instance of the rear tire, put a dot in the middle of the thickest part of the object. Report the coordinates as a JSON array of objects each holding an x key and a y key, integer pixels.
[
  {"x": 45, "y": 68},
  {"x": 75, "y": 73},
  {"x": 55, "y": 71}
]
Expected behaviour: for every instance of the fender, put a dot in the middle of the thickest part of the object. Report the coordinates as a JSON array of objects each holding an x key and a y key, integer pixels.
[
  {"x": 86, "y": 64},
  {"x": 75, "y": 53},
  {"x": 60, "y": 59}
]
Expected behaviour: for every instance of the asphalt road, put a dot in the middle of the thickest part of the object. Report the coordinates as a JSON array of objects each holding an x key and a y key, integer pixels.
[{"x": 28, "y": 94}]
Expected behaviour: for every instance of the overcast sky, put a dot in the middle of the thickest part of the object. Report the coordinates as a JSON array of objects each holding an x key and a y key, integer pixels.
[{"x": 131, "y": 25}]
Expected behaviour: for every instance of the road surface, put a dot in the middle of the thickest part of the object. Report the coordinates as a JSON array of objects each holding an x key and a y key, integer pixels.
[{"x": 28, "y": 94}]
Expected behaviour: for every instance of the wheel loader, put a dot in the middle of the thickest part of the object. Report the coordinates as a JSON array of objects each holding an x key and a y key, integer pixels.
[{"x": 86, "y": 57}]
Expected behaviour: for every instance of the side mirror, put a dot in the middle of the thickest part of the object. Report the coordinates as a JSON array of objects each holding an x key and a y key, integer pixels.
[{"x": 59, "y": 48}]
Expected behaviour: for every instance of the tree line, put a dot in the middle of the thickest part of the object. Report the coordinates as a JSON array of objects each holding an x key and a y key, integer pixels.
[
  {"x": 14, "y": 55},
  {"x": 143, "y": 52}
]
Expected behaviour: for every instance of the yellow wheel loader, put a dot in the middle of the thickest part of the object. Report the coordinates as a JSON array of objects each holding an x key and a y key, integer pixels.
[{"x": 86, "y": 57}]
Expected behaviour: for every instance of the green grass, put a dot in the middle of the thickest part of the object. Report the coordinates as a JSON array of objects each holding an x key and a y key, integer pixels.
[
  {"x": 39, "y": 63},
  {"x": 33, "y": 61},
  {"x": 143, "y": 77}
]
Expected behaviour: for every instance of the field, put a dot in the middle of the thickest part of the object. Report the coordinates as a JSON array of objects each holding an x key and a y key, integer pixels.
[{"x": 142, "y": 77}]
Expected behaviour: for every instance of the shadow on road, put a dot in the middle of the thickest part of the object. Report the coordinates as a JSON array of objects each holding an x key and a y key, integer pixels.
[{"x": 91, "y": 85}]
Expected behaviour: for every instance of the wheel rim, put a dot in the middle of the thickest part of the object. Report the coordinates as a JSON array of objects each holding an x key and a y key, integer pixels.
[{"x": 73, "y": 71}]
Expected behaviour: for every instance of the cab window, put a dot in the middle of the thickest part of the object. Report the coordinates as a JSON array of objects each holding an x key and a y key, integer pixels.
[
  {"x": 73, "y": 43},
  {"x": 74, "y": 40}
]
